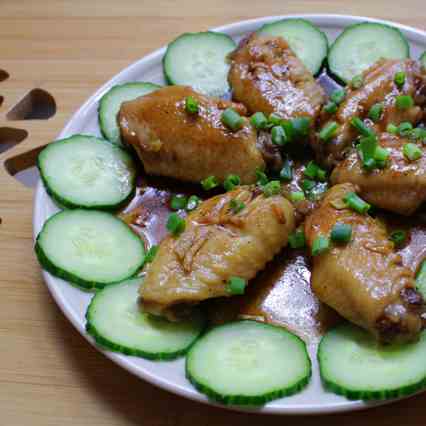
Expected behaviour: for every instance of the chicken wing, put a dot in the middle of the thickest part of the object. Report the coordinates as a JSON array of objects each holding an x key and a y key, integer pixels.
[
  {"x": 171, "y": 142},
  {"x": 266, "y": 75},
  {"x": 400, "y": 187},
  {"x": 217, "y": 244},
  {"x": 364, "y": 280}
]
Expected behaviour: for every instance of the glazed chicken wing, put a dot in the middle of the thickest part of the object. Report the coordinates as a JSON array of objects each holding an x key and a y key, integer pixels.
[
  {"x": 364, "y": 280},
  {"x": 217, "y": 244},
  {"x": 172, "y": 142},
  {"x": 267, "y": 76},
  {"x": 400, "y": 187}
]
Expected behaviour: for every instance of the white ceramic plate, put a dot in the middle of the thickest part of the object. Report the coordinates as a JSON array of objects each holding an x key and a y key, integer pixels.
[{"x": 73, "y": 302}]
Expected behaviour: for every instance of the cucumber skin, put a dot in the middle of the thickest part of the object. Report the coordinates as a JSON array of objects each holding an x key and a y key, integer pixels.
[
  {"x": 74, "y": 279},
  {"x": 365, "y": 394},
  {"x": 64, "y": 203},
  {"x": 335, "y": 76},
  {"x": 244, "y": 399}
]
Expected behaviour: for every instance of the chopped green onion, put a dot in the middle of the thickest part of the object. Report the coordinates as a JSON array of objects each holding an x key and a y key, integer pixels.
[
  {"x": 209, "y": 183},
  {"x": 412, "y": 152},
  {"x": 404, "y": 102},
  {"x": 398, "y": 237},
  {"x": 175, "y": 224},
  {"x": 301, "y": 127},
  {"x": 259, "y": 121},
  {"x": 307, "y": 185},
  {"x": 418, "y": 134},
  {"x": 178, "y": 202},
  {"x": 381, "y": 155},
  {"x": 361, "y": 127},
  {"x": 287, "y": 125},
  {"x": 236, "y": 285},
  {"x": 296, "y": 240},
  {"x": 150, "y": 254},
  {"x": 320, "y": 245},
  {"x": 341, "y": 233},
  {"x": 368, "y": 146},
  {"x": 328, "y": 131},
  {"x": 191, "y": 105},
  {"x": 356, "y": 203},
  {"x": 297, "y": 196},
  {"x": 278, "y": 135},
  {"x": 375, "y": 112},
  {"x": 272, "y": 188},
  {"x": 192, "y": 203},
  {"x": 236, "y": 205},
  {"x": 405, "y": 128},
  {"x": 321, "y": 175},
  {"x": 330, "y": 107},
  {"x": 311, "y": 170},
  {"x": 286, "y": 173},
  {"x": 357, "y": 81},
  {"x": 399, "y": 78},
  {"x": 231, "y": 182},
  {"x": 338, "y": 96},
  {"x": 392, "y": 129},
  {"x": 274, "y": 119},
  {"x": 261, "y": 178},
  {"x": 231, "y": 119}
]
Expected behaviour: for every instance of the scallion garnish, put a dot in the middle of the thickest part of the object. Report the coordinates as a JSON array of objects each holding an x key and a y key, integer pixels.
[
  {"x": 236, "y": 285},
  {"x": 236, "y": 205},
  {"x": 287, "y": 125},
  {"x": 375, "y": 112},
  {"x": 286, "y": 173},
  {"x": 399, "y": 78},
  {"x": 398, "y": 237},
  {"x": 301, "y": 127},
  {"x": 338, "y": 96},
  {"x": 392, "y": 129},
  {"x": 297, "y": 196},
  {"x": 368, "y": 147},
  {"x": 405, "y": 128},
  {"x": 231, "y": 181},
  {"x": 278, "y": 135},
  {"x": 307, "y": 185},
  {"x": 261, "y": 178},
  {"x": 356, "y": 203},
  {"x": 404, "y": 102},
  {"x": 259, "y": 121},
  {"x": 231, "y": 119},
  {"x": 330, "y": 107},
  {"x": 209, "y": 183},
  {"x": 150, "y": 254},
  {"x": 361, "y": 127},
  {"x": 192, "y": 203},
  {"x": 178, "y": 202},
  {"x": 274, "y": 119},
  {"x": 412, "y": 152},
  {"x": 328, "y": 131},
  {"x": 296, "y": 239},
  {"x": 272, "y": 188},
  {"x": 191, "y": 105},
  {"x": 341, "y": 233},
  {"x": 320, "y": 245},
  {"x": 175, "y": 224},
  {"x": 357, "y": 81}
]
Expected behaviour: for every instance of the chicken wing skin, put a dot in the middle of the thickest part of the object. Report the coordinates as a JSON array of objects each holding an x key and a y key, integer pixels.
[
  {"x": 266, "y": 75},
  {"x": 216, "y": 245},
  {"x": 400, "y": 187},
  {"x": 190, "y": 147},
  {"x": 378, "y": 86},
  {"x": 364, "y": 280}
]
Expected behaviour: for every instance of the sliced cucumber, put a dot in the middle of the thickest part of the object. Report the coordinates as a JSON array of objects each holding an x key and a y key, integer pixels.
[
  {"x": 422, "y": 60},
  {"x": 306, "y": 40},
  {"x": 110, "y": 103},
  {"x": 89, "y": 248},
  {"x": 361, "y": 45},
  {"x": 87, "y": 172},
  {"x": 353, "y": 364},
  {"x": 421, "y": 280},
  {"x": 116, "y": 321},
  {"x": 248, "y": 363},
  {"x": 199, "y": 60}
]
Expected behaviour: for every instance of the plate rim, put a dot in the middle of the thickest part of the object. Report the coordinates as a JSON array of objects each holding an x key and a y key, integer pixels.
[{"x": 321, "y": 19}]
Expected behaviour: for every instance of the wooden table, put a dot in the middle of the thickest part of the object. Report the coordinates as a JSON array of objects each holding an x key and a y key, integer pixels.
[{"x": 49, "y": 375}]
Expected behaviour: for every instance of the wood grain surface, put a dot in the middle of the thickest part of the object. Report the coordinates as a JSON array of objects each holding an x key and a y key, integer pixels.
[{"x": 49, "y": 375}]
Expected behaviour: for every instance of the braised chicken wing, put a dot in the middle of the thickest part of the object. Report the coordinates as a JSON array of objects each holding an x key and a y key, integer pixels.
[
  {"x": 363, "y": 280},
  {"x": 190, "y": 147},
  {"x": 400, "y": 187},
  {"x": 217, "y": 243}
]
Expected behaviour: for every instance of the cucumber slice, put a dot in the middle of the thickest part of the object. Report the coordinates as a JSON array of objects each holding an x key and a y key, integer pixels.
[
  {"x": 248, "y": 363},
  {"x": 89, "y": 248},
  {"x": 422, "y": 60},
  {"x": 353, "y": 364},
  {"x": 199, "y": 60},
  {"x": 110, "y": 103},
  {"x": 361, "y": 45},
  {"x": 86, "y": 172},
  {"x": 306, "y": 40},
  {"x": 116, "y": 322},
  {"x": 421, "y": 280}
]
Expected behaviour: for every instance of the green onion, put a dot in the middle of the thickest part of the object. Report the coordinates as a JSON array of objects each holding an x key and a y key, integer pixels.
[
  {"x": 232, "y": 120},
  {"x": 418, "y": 134},
  {"x": 259, "y": 121},
  {"x": 398, "y": 237},
  {"x": 321, "y": 175},
  {"x": 375, "y": 112},
  {"x": 301, "y": 127},
  {"x": 296, "y": 239},
  {"x": 320, "y": 245},
  {"x": 236, "y": 285},
  {"x": 150, "y": 254},
  {"x": 274, "y": 119},
  {"x": 404, "y": 102},
  {"x": 261, "y": 178},
  {"x": 328, "y": 131},
  {"x": 209, "y": 183},
  {"x": 412, "y": 152},
  {"x": 231, "y": 181},
  {"x": 311, "y": 170},
  {"x": 341, "y": 233},
  {"x": 178, "y": 202},
  {"x": 278, "y": 135},
  {"x": 338, "y": 96},
  {"x": 297, "y": 196},
  {"x": 175, "y": 224},
  {"x": 330, "y": 107},
  {"x": 381, "y": 156},
  {"x": 236, "y": 205},
  {"x": 368, "y": 146},
  {"x": 191, "y": 105},
  {"x": 361, "y": 127},
  {"x": 399, "y": 78},
  {"x": 307, "y": 185},
  {"x": 356, "y": 203},
  {"x": 405, "y": 128},
  {"x": 192, "y": 203},
  {"x": 357, "y": 81},
  {"x": 286, "y": 173},
  {"x": 272, "y": 188},
  {"x": 287, "y": 125},
  {"x": 392, "y": 129}
]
